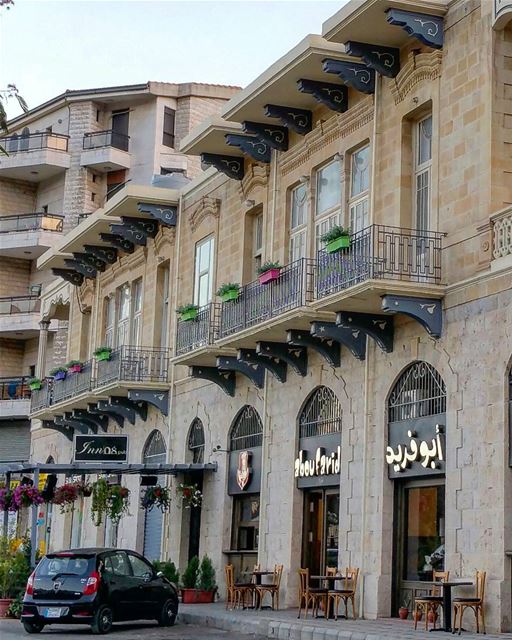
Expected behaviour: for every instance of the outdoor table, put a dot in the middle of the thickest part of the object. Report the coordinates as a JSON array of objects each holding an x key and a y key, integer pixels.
[
  {"x": 447, "y": 602},
  {"x": 258, "y": 575},
  {"x": 330, "y": 585}
]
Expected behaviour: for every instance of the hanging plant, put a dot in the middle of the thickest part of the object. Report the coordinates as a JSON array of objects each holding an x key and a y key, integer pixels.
[
  {"x": 25, "y": 495},
  {"x": 190, "y": 495},
  {"x": 6, "y": 500},
  {"x": 100, "y": 493},
  {"x": 65, "y": 497},
  {"x": 118, "y": 502},
  {"x": 156, "y": 496},
  {"x": 84, "y": 488}
]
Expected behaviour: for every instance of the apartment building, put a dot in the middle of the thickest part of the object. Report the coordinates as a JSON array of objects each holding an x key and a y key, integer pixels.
[{"x": 350, "y": 408}]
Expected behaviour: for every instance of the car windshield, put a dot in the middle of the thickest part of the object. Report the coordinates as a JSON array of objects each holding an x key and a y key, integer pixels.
[{"x": 54, "y": 566}]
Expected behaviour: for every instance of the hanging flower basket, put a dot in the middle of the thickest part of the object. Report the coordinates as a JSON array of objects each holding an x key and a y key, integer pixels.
[
  {"x": 188, "y": 312},
  {"x": 25, "y": 495},
  {"x": 103, "y": 353},
  {"x": 190, "y": 494},
  {"x": 65, "y": 497},
  {"x": 35, "y": 384},
  {"x": 156, "y": 496},
  {"x": 59, "y": 373},
  {"x": 109, "y": 500},
  {"x": 7, "y": 500},
  {"x": 269, "y": 272}
]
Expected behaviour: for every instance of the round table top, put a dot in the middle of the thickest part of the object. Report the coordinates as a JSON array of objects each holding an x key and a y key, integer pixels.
[
  {"x": 451, "y": 583},
  {"x": 328, "y": 577}
]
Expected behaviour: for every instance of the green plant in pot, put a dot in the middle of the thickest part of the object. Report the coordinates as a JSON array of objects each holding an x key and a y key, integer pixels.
[
  {"x": 188, "y": 312},
  {"x": 35, "y": 384},
  {"x": 189, "y": 581},
  {"x": 14, "y": 573},
  {"x": 74, "y": 366},
  {"x": 103, "y": 353},
  {"x": 335, "y": 239},
  {"x": 268, "y": 272},
  {"x": 59, "y": 373},
  {"x": 229, "y": 291}
]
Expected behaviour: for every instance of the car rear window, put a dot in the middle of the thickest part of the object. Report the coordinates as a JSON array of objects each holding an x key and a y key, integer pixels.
[{"x": 75, "y": 565}]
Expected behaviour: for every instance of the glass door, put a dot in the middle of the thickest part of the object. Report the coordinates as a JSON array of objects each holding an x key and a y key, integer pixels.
[{"x": 320, "y": 534}]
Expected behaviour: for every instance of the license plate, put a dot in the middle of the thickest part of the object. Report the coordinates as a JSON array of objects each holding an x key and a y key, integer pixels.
[{"x": 52, "y": 612}]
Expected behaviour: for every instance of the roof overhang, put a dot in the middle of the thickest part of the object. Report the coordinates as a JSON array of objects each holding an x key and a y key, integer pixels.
[
  {"x": 210, "y": 137},
  {"x": 106, "y": 467},
  {"x": 365, "y": 21}
]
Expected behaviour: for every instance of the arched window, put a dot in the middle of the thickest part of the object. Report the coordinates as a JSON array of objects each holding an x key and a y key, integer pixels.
[
  {"x": 419, "y": 391},
  {"x": 155, "y": 449},
  {"x": 321, "y": 414},
  {"x": 196, "y": 440},
  {"x": 247, "y": 430}
]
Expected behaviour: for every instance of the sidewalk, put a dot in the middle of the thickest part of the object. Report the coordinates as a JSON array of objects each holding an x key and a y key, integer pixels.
[{"x": 284, "y": 625}]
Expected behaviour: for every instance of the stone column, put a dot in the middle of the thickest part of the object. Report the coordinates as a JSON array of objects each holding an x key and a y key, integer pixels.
[{"x": 41, "y": 353}]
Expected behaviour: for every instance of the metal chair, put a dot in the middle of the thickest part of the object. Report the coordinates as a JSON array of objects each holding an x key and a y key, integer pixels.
[
  {"x": 476, "y": 604},
  {"x": 432, "y": 601}
]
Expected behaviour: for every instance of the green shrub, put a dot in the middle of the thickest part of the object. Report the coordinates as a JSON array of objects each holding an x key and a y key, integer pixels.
[
  {"x": 14, "y": 569},
  {"x": 206, "y": 578},
  {"x": 333, "y": 234},
  {"x": 187, "y": 307},
  {"x": 190, "y": 575},
  {"x": 168, "y": 569},
  {"x": 227, "y": 287}
]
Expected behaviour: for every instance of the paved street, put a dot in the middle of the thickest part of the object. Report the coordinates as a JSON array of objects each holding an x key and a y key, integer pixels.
[{"x": 12, "y": 630}]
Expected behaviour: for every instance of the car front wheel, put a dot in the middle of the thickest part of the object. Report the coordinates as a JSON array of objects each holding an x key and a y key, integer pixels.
[
  {"x": 102, "y": 622},
  {"x": 33, "y": 627},
  {"x": 168, "y": 613}
]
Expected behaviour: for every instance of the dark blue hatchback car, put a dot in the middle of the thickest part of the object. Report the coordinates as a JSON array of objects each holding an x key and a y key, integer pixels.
[{"x": 97, "y": 587}]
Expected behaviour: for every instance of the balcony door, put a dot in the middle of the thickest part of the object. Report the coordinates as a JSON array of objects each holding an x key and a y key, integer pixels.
[
  {"x": 422, "y": 195},
  {"x": 120, "y": 125}
]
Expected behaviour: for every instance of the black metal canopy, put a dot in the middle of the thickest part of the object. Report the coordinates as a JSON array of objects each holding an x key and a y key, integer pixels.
[{"x": 107, "y": 467}]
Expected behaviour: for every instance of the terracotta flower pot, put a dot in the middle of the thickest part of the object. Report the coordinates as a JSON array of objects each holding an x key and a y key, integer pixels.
[
  {"x": 197, "y": 596},
  {"x": 5, "y": 603},
  {"x": 269, "y": 276},
  {"x": 403, "y": 613}
]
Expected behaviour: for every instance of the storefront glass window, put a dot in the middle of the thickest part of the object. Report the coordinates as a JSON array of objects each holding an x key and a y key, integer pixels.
[{"x": 246, "y": 518}]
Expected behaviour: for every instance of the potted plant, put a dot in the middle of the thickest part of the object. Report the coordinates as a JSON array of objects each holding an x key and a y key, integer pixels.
[
  {"x": 35, "y": 384},
  {"x": 229, "y": 291},
  {"x": 14, "y": 573},
  {"x": 103, "y": 353},
  {"x": 206, "y": 584},
  {"x": 118, "y": 502},
  {"x": 26, "y": 495},
  {"x": 189, "y": 581},
  {"x": 269, "y": 272},
  {"x": 403, "y": 611},
  {"x": 188, "y": 312},
  {"x": 74, "y": 366},
  {"x": 59, "y": 373},
  {"x": 6, "y": 500},
  {"x": 335, "y": 239},
  {"x": 190, "y": 494},
  {"x": 156, "y": 496},
  {"x": 65, "y": 497},
  {"x": 168, "y": 570}
]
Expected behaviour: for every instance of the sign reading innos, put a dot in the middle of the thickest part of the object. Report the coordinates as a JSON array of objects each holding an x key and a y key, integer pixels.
[{"x": 322, "y": 464}]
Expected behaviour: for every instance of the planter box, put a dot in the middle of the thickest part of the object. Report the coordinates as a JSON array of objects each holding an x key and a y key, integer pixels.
[
  {"x": 76, "y": 368},
  {"x": 269, "y": 276},
  {"x": 230, "y": 295},
  {"x": 103, "y": 355},
  {"x": 191, "y": 314},
  {"x": 5, "y": 603},
  {"x": 343, "y": 242},
  {"x": 35, "y": 386},
  {"x": 60, "y": 375},
  {"x": 196, "y": 596}
]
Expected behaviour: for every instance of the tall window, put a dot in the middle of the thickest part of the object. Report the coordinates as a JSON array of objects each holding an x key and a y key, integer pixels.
[
  {"x": 137, "y": 314},
  {"x": 422, "y": 172},
  {"x": 110, "y": 305},
  {"x": 257, "y": 241},
  {"x": 196, "y": 441},
  {"x": 164, "y": 320},
  {"x": 203, "y": 281},
  {"x": 123, "y": 315},
  {"x": 328, "y": 199},
  {"x": 321, "y": 414},
  {"x": 359, "y": 188},
  {"x": 168, "y": 133},
  {"x": 298, "y": 222}
]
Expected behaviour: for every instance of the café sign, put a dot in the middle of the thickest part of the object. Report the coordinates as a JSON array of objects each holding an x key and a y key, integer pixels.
[
  {"x": 420, "y": 451},
  {"x": 322, "y": 464},
  {"x": 100, "y": 448}
]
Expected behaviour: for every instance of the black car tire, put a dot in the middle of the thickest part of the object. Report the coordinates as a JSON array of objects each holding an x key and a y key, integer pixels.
[
  {"x": 168, "y": 614},
  {"x": 33, "y": 627},
  {"x": 102, "y": 622}
]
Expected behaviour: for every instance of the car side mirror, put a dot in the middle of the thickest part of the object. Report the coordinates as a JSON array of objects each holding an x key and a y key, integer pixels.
[{"x": 159, "y": 575}]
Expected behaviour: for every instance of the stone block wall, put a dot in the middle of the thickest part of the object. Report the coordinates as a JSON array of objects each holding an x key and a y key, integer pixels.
[{"x": 17, "y": 196}]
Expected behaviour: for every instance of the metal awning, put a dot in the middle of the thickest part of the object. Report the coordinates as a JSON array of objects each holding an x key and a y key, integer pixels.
[{"x": 105, "y": 467}]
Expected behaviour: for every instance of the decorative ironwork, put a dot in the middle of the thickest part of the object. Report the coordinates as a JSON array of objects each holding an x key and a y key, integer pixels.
[
  {"x": 246, "y": 430},
  {"x": 231, "y": 166},
  {"x": 124, "y": 412},
  {"x": 255, "y": 372},
  {"x": 321, "y": 414},
  {"x": 167, "y": 216},
  {"x": 420, "y": 391},
  {"x": 94, "y": 409},
  {"x": 384, "y": 60},
  {"x": 328, "y": 349},
  {"x": 254, "y": 147},
  {"x": 381, "y": 253},
  {"x": 91, "y": 260},
  {"x": 198, "y": 333},
  {"x": 358, "y": 76},
  {"x": 427, "y": 311},
  {"x": 107, "y": 254},
  {"x": 257, "y": 303},
  {"x": 226, "y": 380},
  {"x": 108, "y": 138},
  {"x": 296, "y": 357},
  {"x": 272, "y": 134},
  {"x": 159, "y": 399},
  {"x": 334, "y": 96},
  {"x": 196, "y": 440},
  {"x": 86, "y": 421},
  {"x": 74, "y": 384},
  {"x": 67, "y": 432},
  {"x": 133, "y": 364},
  {"x": 425, "y": 28},
  {"x": 140, "y": 408},
  {"x": 31, "y": 222},
  {"x": 70, "y": 275},
  {"x": 298, "y": 120},
  {"x": 133, "y": 234},
  {"x": 67, "y": 421},
  {"x": 148, "y": 227},
  {"x": 276, "y": 367},
  {"x": 42, "y": 398},
  {"x": 85, "y": 269},
  {"x": 353, "y": 339},
  {"x": 99, "y": 421},
  {"x": 118, "y": 242},
  {"x": 155, "y": 449},
  {"x": 378, "y": 327}
]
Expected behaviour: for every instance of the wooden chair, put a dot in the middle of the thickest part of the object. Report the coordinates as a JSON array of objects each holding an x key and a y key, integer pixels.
[
  {"x": 272, "y": 588},
  {"x": 308, "y": 596},
  {"x": 431, "y": 602},
  {"x": 346, "y": 593},
  {"x": 476, "y": 604},
  {"x": 236, "y": 593}
]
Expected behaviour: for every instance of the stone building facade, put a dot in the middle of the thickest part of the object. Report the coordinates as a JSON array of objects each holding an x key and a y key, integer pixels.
[{"x": 352, "y": 411}]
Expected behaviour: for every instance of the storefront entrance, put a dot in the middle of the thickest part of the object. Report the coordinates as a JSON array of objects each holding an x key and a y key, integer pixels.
[{"x": 320, "y": 530}]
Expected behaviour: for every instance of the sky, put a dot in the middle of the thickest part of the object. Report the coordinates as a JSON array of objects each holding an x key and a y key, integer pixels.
[{"x": 48, "y": 46}]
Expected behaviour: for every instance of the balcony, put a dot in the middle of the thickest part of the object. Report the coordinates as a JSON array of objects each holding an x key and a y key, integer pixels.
[
  {"x": 74, "y": 384},
  {"x": 380, "y": 260},
  {"x": 133, "y": 367},
  {"x": 34, "y": 156},
  {"x": 29, "y": 234},
  {"x": 105, "y": 151},
  {"x": 19, "y": 315},
  {"x": 14, "y": 398},
  {"x": 195, "y": 338}
]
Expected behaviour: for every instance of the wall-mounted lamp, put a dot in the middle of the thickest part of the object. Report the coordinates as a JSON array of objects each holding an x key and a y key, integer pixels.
[
  {"x": 218, "y": 448},
  {"x": 304, "y": 179},
  {"x": 250, "y": 203}
]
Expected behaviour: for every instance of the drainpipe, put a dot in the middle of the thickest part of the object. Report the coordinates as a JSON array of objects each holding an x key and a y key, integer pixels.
[{"x": 275, "y": 191}]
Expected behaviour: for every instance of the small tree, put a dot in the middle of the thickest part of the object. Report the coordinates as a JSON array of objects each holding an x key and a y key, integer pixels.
[
  {"x": 168, "y": 569},
  {"x": 189, "y": 578},
  {"x": 206, "y": 579}
]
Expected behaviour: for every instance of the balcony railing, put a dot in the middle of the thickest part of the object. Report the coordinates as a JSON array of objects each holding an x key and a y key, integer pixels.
[
  {"x": 31, "y": 222},
  {"x": 42, "y": 398},
  {"x": 14, "y": 388},
  {"x": 194, "y": 334},
  {"x": 19, "y": 304},
  {"x": 73, "y": 384},
  {"x": 259, "y": 302},
  {"x": 34, "y": 141},
  {"x": 380, "y": 252},
  {"x": 109, "y": 138},
  {"x": 133, "y": 364},
  {"x": 501, "y": 225}
]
